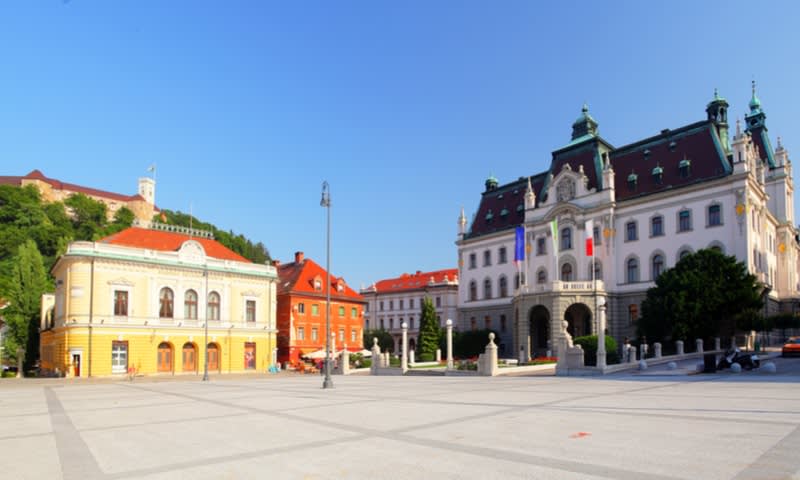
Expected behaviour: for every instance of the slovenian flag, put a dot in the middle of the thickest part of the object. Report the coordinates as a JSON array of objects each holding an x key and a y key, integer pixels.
[
  {"x": 589, "y": 238},
  {"x": 519, "y": 245},
  {"x": 554, "y": 234}
]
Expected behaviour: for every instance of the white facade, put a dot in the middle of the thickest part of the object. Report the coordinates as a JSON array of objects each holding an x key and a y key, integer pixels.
[
  {"x": 650, "y": 202},
  {"x": 392, "y": 302}
]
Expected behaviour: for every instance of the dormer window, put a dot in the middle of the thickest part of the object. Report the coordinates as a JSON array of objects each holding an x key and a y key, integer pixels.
[
  {"x": 685, "y": 168},
  {"x": 658, "y": 174},
  {"x": 489, "y": 217},
  {"x": 504, "y": 212},
  {"x": 317, "y": 283},
  {"x": 632, "y": 180},
  {"x": 672, "y": 146},
  {"x": 647, "y": 154},
  {"x": 520, "y": 209}
]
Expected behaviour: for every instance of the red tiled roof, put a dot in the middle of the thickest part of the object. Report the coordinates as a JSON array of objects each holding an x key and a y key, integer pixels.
[
  {"x": 414, "y": 281},
  {"x": 59, "y": 185},
  {"x": 169, "y": 242},
  {"x": 11, "y": 181},
  {"x": 298, "y": 277}
]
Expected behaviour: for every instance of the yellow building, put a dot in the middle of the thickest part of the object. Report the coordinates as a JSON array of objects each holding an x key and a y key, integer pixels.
[{"x": 133, "y": 302}]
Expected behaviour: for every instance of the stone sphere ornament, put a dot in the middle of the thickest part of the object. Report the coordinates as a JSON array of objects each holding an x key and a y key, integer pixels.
[
  {"x": 642, "y": 365},
  {"x": 769, "y": 367},
  {"x": 736, "y": 368},
  {"x": 672, "y": 366}
]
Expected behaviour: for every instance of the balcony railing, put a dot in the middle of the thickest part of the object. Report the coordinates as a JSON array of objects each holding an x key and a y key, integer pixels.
[
  {"x": 587, "y": 286},
  {"x": 98, "y": 320}
]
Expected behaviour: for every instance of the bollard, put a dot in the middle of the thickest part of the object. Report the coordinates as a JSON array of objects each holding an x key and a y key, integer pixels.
[
  {"x": 679, "y": 347},
  {"x": 699, "y": 344},
  {"x": 657, "y": 349}
]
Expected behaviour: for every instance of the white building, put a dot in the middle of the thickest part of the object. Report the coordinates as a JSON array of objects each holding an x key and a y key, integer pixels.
[
  {"x": 651, "y": 202},
  {"x": 393, "y": 301}
]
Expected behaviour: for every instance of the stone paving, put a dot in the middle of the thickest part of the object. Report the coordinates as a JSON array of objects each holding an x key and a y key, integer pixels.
[{"x": 625, "y": 426}]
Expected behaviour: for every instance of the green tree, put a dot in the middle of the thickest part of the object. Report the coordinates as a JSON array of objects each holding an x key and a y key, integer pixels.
[
  {"x": 88, "y": 216},
  {"x": 24, "y": 292},
  {"x": 699, "y": 298},
  {"x": 385, "y": 340},
  {"x": 429, "y": 331}
]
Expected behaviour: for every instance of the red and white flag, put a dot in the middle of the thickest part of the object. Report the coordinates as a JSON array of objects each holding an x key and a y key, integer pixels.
[{"x": 589, "y": 238}]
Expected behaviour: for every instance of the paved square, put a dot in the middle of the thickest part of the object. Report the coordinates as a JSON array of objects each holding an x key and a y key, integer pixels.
[{"x": 620, "y": 427}]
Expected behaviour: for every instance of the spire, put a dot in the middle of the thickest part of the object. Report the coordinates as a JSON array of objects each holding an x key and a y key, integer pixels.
[
  {"x": 462, "y": 224},
  {"x": 491, "y": 183},
  {"x": 755, "y": 103},
  {"x": 530, "y": 196},
  {"x": 738, "y": 127}
]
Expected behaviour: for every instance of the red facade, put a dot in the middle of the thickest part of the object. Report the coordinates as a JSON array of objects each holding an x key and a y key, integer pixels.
[{"x": 301, "y": 316}]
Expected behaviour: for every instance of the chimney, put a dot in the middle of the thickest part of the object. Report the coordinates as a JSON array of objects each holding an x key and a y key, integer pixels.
[
  {"x": 276, "y": 263},
  {"x": 298, "y": 257}
]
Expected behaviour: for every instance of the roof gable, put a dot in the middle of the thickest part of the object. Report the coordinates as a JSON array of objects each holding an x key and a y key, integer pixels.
[
  {"x": 170, "y": 242},
  {"x": 302, "y": 278},
  {"x": 415, "y": 281}
]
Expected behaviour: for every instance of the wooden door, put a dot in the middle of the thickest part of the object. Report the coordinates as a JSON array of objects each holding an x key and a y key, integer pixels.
[
  {"x": 76, "y": 365},
  {"x": 165, "y": 357},
  {"x": 189, "y": 363},
  {"x": 213, "y": 357}
]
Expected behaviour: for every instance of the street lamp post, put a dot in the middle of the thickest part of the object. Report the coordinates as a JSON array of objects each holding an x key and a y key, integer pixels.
[
  {"x": 205, "y": 363},
  {"x": 326, "y": 203}
]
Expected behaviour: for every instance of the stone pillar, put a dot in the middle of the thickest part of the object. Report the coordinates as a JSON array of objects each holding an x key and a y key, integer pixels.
[
  {"x": 490, "y": 358},
  {"x": 386, "y": 359},
  {"x": 344, "y": 363},
  {"x": 657, "y": 349},
  {"x": 601, "y": 333},
  {"x": 412, "y": 357},
  {"x": 376, "y": 356},
  {"x": 404, "y": 355},
  {"x": 438, "y": 355},
  {"x": 717, "y": 344},
  {"x": 679, "y": 347},
  {"x": 699, "y": 344},
  {"x": 642, "y": 351},
  {"x": 449, "y": 325},
  {"x": 522, "y": 357},
  {"x": 631, "y": 354}
]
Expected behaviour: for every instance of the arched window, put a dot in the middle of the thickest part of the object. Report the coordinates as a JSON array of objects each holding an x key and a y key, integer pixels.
[
  {"x": 684, "y": 253},
  {"x": 566, "y": 238},
  {"x": 473, "y": 291},
  {"x": 658, "y": 266},
  {"x": 566, "y": 272},
  {"x": 166, "y": 305},
  {"x": 213, "y": 306},
  {"x": 487, "y": 288},
  {"x": 541, "y": 276},
  {"x": 503, "y": 286},
  {"x": 190, "y": 304},
  {"x": 633, "y": 270}
]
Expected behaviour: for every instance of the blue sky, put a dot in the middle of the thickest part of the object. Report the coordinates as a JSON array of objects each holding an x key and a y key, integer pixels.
[{"x": 403, "y": 107}]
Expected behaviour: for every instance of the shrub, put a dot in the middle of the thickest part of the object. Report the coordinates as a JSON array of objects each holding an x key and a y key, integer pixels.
[
  {"x": 471, "y": 343},
  {"x": 589, "y": 344},
  {"x": 426, "y": 357}
]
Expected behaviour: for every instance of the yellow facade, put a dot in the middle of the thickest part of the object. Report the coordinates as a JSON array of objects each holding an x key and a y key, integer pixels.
[{"x": 87, "y": 331}]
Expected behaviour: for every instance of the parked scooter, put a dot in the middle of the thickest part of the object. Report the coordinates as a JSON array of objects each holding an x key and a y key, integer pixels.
[{"x": 748, "y": 361}]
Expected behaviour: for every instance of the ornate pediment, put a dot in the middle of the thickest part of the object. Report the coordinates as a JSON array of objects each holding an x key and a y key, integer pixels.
[
  {"x": 568, "y": 185},
  {"x": 192, "y": 252}
]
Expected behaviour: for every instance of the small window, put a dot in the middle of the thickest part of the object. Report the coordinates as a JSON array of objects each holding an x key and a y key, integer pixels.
[
  {"x": 501, "y": 254},
  {"x": 213, "y": 306},
  {"x": 714, "y": 215},
  {"x": 630, "y": 232},
  {"x": 301, "y": 307},
  {"x": 684, "y": 220},
  {"x": 165, "y": 300},
  {"x": 541, "y": 246},
  {"x": 315, "y": 334},
  {"x": 487, "y": 258},
  {"x": 341, "y": 334},
  {"x": 503, "y": 286},
  {"x": 566, "y": 272},
  {"x": 438, "y": 302},
  {"x": 596, "y": 237},
  {"x": 341, "y": 311},
  {"x": 401, "y": 304},
  {"x": 503, "y": 326},
  {"x": 632, "y": 181},
  {"x": 381, "y": 305},
  {"x": 190, "y": 305},
  {"x": 566, "y": 239},
  {"x": 473, "y": 262},
  {"x": 411, "y": 303},
  {"x": 391, "y": 304},
  {"x": 657, "y": 226},
  {"x": 251, "y": 310},
  {"x": 487, "y": 289},
  {"x": 301, "y": 333},
  {"x": 473, "y": 291},
  {"x": 353, "y": 335},
  {"x": 354, "y": 312},
  {"x": 633, "y": 313},
  {"x": 314, "y": 309},
  {"x": 633, "y": 270},
  {"x": 487, "y": 321},
  {"x": 658, "y": 175},
  {"x": 120, "y": 303},
  {"x": 684, "y": 168},
  {"x": 658, "y": 266},
  {"x": 541, "y": 277}
]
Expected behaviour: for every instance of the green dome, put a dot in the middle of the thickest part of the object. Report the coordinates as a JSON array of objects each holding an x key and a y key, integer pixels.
[{"x": 755, "y": 103}]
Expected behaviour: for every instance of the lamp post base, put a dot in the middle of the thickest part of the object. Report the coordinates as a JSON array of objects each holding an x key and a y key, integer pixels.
[{"x": 327, "y": 383}]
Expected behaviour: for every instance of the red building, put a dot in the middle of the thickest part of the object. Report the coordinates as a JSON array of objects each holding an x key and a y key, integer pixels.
[{"x": 302, "y": 309}]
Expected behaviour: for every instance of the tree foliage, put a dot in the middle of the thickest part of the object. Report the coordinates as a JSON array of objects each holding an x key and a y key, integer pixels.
[
  {"x": 700, "y": 297},
  {"x": 255, "y": 252},
  {"x": 24, "y": 292},
  {"x": 385, "y": 340},
  {"x": 470, "y": 343},
  {"x": 429, "y": 331}
]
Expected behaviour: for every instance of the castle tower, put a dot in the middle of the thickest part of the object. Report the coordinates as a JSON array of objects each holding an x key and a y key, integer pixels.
[{"x": 147, "y": 189}]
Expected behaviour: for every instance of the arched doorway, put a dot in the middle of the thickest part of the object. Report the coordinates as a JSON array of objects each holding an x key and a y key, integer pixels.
[
  {"x": 539, "y": 330},
  {"x": 189, "y": 357},
  {"x": 164, "y": 364},
  {"x": 579, "y": 320},
  {"x": 213, "y": 357}
]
